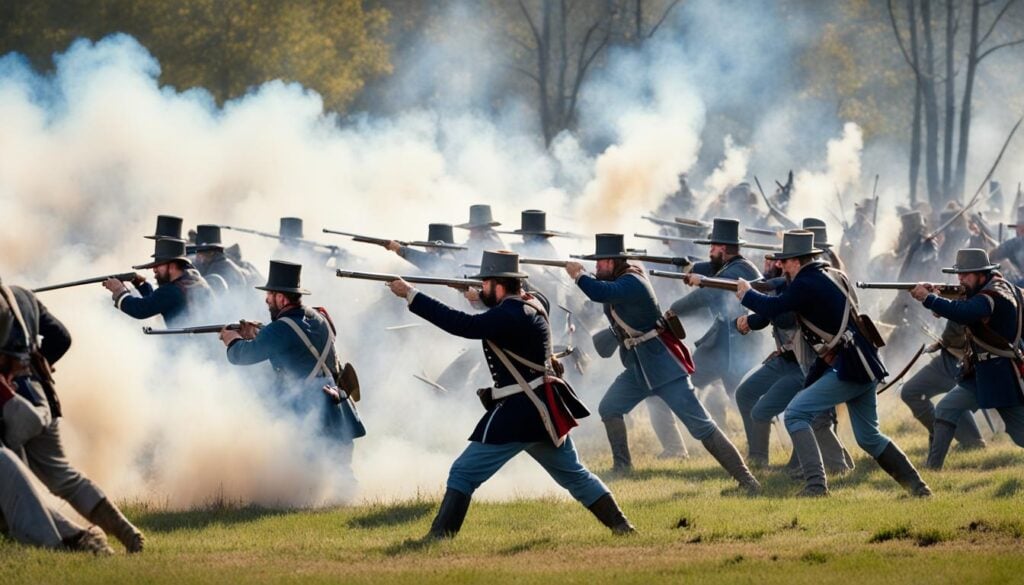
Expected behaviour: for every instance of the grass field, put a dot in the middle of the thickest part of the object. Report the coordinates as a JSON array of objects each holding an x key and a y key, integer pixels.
[{"x": 692, "y": 529}]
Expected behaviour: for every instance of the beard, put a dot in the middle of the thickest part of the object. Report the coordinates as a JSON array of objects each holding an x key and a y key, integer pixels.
[
  {"x": 772, "y": 272},
  {"x": 162, "y": 277},
  {"x": 489, "y": 299}
]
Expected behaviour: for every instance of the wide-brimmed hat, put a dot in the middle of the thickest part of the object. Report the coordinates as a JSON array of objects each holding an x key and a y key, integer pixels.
[
  {"x": 796, "y": 243},
  {"x": 164, "y": 251},
  {"x": 208, "y": 238},
  {"x": 284, "y": 277},
  {"x": 291, "y": 227},
  {"x": 479, "y": 216},
  {"x": 724, "y": 231},
  {"x": 971, "y": 260},
  {"x": 608, "y": 246},
  {"x": 440, "y": 232},
  {"x": 534, "y": 222},
  {"x": 167, "y": 226},
  {"x": 499, "y": 264}
]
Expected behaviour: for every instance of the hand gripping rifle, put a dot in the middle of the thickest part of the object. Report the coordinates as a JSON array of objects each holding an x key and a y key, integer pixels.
[
  {"x": 197, "y": 330},
  {"x": 943, "y": 290},
  {"x": 459, "y": 283},
  {"x": 716, "y": 283},
  {"x": 334, "y": 250},
  {"x": 123, "y": 277},
  {"x": 384, "y": 241}
]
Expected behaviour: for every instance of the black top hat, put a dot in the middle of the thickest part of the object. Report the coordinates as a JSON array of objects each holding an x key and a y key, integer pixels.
[
  {"x": 479, "y": 216},
  {"x": 284, "y": 277},
  {"x": 167, "y": 226},
  {"x": 166, "y": 250},
  {"x": 500, "y": 264},
  {"x": 208, "y": 238},
  {"x": 291, "y": 227},
  {"x": 810, "y": 222},
  {"x": 724, "y": 231},
  {"x": 608, "y": 246},
  {"x": 440, "y": 232},
  {"x": 820, "y": 236},
  {"x": 535, "y": 223},
  {"x": 971, "y": 260},
  {"x": 912, "y": 220},
  {"x": 796, "y": 243}
]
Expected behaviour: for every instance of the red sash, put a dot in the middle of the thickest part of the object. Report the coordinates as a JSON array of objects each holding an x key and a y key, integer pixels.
[{"x": 678, "y": 350}]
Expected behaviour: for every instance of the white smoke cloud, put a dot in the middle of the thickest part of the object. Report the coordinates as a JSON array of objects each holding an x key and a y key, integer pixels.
[{"x": 732, "y": 169}]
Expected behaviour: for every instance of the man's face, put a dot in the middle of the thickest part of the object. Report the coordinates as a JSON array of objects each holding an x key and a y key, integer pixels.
[
  {"x": 972, "y": 281},
  {"x": 276, "y": 302},
  {"x": 790, "y": 266},
  {"x": 717, "y": 254},
  {"x": 204, "y": 257},
  {"x": 605, "y": 269},
  {"x": 162, "y": 273},
  {"x": 489, "y": 293}
]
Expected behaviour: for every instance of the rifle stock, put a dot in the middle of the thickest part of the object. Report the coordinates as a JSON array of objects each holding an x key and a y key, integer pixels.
[
  {"x": 123, "y": 277},
  {"x": 716, "y": 283},
  {"x": 459, "y": 283}
]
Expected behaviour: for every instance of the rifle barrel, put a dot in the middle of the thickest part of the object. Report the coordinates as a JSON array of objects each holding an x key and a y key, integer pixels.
[
  {"x": 942, "y": 289},
  {"x": 544, "y": 262},
  {"x": 383, "y": 277},
  {"x": 124, "y": 276},
  {"x": 195, "y": 330},
  {"x": 762, "y": 231},
  {"x": 300, "y": 241}
]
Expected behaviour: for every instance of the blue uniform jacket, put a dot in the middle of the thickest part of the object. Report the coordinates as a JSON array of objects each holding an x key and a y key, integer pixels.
[
  {"x": 634, "y": 302},
  {"x": 722, "y": 339},
  {"x": 278, "y": 343},
  {"x": 815, "y": 298},
  {"x": 182, "y": 303},
  {"x": 512, "y": 326},
  {"x": 783, "y": 325},
  {"x": 999, "y": 384}
]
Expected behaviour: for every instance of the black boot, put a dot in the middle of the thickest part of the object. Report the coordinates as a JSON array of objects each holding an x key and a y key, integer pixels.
[
  {"x": 607, "y": 510},
  {"x": 899, "y": 467},
  {"x": 112, "y": 521},
  {"x": 619, "y": 442},
  {"x": 812, "y": 469},
  {"x": 758, "y": 437},
  {"x": 833, "y": 454},
  {"x": 729, "y": 458},
  {"x": 942, "y": 435},
  {"x": 450, "y": 516}
]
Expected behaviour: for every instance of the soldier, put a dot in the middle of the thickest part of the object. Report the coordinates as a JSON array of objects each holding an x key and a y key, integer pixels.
[
  {"x": 433, "y": 261},
  {"x": 722, "y": 352},
  {"x": 182, "y": 297},
  {"x": 1012, "y": 250},
  {"x": 213, "y": 263},
  {"x": 820, "y": 231},
  {"x": 847, "y": 369},
  {"x": 290, "y": 232},
  {"x": 536, "y": 235},
  {"x": 249, "y": 270},
  {"x": 516, "y": 339},
  {"x": 855, "y": 245},
  {"x": 299, "y": 344},
  {"x": 991, "y": 373},
  {"x": 680, "y": 203},
  {"x": 656, "y": 362},
  {"x": 43, "y": 449},
  {"x": 482, "y": 236}
]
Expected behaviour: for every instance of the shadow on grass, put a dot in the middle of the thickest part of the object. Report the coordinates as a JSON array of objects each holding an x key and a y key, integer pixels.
[
  {"x": 525, "y": 546},
  {"x": 197, "y": 519},
  {"x": 393, "y": 515}
]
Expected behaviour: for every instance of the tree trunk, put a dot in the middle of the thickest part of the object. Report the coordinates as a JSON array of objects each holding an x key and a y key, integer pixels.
[
  {"x": 931, "y": 110},
  {"x": 950, "y": 105},
  {"x": 543, "y": 65},
  {"x": 965, "y": 104},
  {"x": 915, "y": 130}
]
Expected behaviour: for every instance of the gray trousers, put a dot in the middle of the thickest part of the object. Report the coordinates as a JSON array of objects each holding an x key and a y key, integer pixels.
[
  {"x": 964, "y": 400},
  {"x": 663, "y": 421},
  {"x": 46, "y": 458},
  {"x": 938, "y": 376},
  {"x": 24, "y": 515}
]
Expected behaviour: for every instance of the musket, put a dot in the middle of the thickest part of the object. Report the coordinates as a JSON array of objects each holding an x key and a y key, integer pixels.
[
  {"x": 543, "y": 262},
  {"x": 874, "y": 195},
  {"x": 768, "y": 247},
  {"x": 197, "y": 330},
  {"x": 384, "y": 241},
  {"x": 335, "y": 250},
  {"x": 459, "y": 283},
  {"x": 716, "y": 283},
  {"x": 945, "y": 290},
  {"x": 123, "y": 277},
  {"x": 677, "y": 222},
  {"x": 782, "y": 217},
  {"x": 842, "y": 209},
  {"x": 983, "y": 228},
  {"x": 763, "y": 231}
]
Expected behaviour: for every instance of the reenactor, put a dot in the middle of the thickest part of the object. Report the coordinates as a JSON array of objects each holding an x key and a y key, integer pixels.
[{"x": 219, "y": 271}]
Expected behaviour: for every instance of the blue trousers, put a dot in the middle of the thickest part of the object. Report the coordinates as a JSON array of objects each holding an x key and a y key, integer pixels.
[
  {"x": 964, "y": 400},
  {"x": 629, "y": 389},
  {"x": 482, "y": 460},
  {"x": 769, "y": 389},
  {"x": 829, "y": 391},
  {"x": 938, "y": 376}
]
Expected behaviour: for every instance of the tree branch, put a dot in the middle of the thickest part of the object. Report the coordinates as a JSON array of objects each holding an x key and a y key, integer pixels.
[
  {"x": 899, "y": 40},
  {"x": 997, "y": 47},
  {"x": 525, "y": 72},
  {"x": 661, "y": 20},
  {"x": 995, "y": 21},
  {"x": 533, "y": 27}
]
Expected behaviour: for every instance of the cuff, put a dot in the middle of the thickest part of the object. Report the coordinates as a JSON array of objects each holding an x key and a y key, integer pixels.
[
  {"x": 930, "y": 300},
  {"x": 120, "y": 298},
  {"x": 411, "y": 295}
]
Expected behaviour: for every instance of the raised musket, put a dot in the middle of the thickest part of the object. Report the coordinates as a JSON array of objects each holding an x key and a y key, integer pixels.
[
  {"x": 459, "y": 283},
  {"x": 123, "y": 277},
  {"x": 335, "y": 250},
  {"x": 763, "y": 231},
  {"x": 677, "y": 222},
  {"x": 201, "y": 329},
  {"x": 944, "y": 290},
  {"x": 768, "y": 247},
  {"x": 717, "y": 283},
  {"x": 385, "y": 241}
]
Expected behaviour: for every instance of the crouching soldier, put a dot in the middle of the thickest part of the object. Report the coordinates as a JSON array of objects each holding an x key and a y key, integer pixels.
[
  {"x": 528, "y": 409},
  {"x": 299, "y": 344}
]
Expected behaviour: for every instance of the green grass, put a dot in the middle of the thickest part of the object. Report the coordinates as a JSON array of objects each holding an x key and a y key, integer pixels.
[{"x": 692, "y": 528}]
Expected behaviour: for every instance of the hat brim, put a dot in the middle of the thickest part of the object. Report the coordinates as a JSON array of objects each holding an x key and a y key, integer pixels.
[
  {"x": 500, "y": 275},
  {"x": 283, "y": 289},
  {"x": 469, "y": 226},
  {"x": 709, "y": 242},
  {"x": 958, "y": 270},
  {"x": 783, "y": 256},
  {"x": 545, "y": 233},
  {"x": 159, "y": 261}
]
